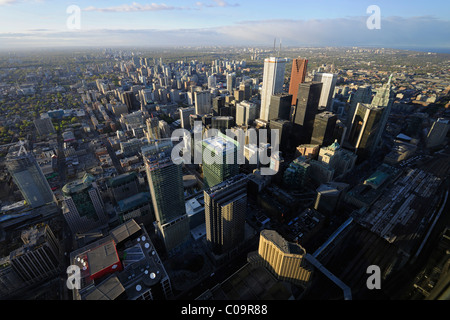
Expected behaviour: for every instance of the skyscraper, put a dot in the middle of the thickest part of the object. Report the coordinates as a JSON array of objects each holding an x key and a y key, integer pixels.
[
  {"x": 298, "y": 75},
  {"x": 362, "y": 95},
  {"x": 273, "y": 80},
  {"x": 184, "y": 117},
  {"x": 384, "y": 98},
  {"x": 438, "y": 132},
  {"x": 365, "y": 128},
  {"x": 280, "y": 106},
  {"x": 329, "y": 83},
  {"x": 165, "y": 179},
  {"x": 231, "y": 82},
  {"x": 305, "y": 111},
  {"x": 219, "y": 160},
  {"x": 324, "y": 125},
  {"x": 28, "y": 177},
  {"x": 202, "y": 102},
  {"x": 284, "y": 128},
  {"x": 217, "y": 104},
  {"x": 225, "y": 210}
]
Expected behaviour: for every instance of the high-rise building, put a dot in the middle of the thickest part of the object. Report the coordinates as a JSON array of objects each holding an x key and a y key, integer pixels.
[
  {"x": 231, "y": 82},
  {"x": 202, "y": 102},
  {"x": 247, "y": 89},
  {"x": 384, "y": 98},
  {"x": 28, "y": 177},
  {"x": 184, "y": 117},
  {"x": 219, "y": 160},
  {"x": 225, "y": 210},
  {"x": 211, "y": 81},
  {"x": 218, "y": 105},
  {"x": 329, "y": 83},
  {"x": 222, "y": 123},
  {"x": 438, "y": 132},
  {"x": 280, "y": 106},
  {"x": 286, "y": 260},
  {"x": 324, "y": 125},
  {"x": 305, "y": 111},
  {"x": 38, "y": 258},
  {"x": 298, "y": 75},
  {"x": 362, "y": 95},
  {"x": 365, "y": 129},
  {"x": 153, "y": 131},
  {"x": 83, "y": 206},
  {"x": 273, "y": 81},
  {"x": 165, "y": 179},
  {"x": 245, "y": 113},
  {"x": 284, "y": 128},
  {"x": 44, "y": 126}
]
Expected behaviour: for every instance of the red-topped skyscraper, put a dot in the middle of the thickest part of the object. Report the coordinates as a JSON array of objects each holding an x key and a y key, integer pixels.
[{"x": 298, "y": 75}]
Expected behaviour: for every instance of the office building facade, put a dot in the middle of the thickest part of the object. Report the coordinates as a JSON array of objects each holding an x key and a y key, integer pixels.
[
  {"x": 324, "y": 128},
  {"x": 305, "y": 111},
  {"x": 225, "y": 210},
  {"x": 219, "y": 160},
  {"x": 286, "y": 260},
  {"x": 280, "y": 106},
  {"x": 329, "y": 83},
  {"x": 165, "y": 180},
  {"x": 298, "y": 75},
  {"x": 273, "y": 81}
]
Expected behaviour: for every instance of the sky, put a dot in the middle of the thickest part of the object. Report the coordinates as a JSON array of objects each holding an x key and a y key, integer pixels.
[{"x": 107, "y": 23}]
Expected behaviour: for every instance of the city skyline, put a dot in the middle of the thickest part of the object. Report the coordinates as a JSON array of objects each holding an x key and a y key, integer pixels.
[{"x": 216, "y": 22}]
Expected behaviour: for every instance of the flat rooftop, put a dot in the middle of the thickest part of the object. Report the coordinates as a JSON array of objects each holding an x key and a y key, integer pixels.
[{"x": 280, "y": 242}]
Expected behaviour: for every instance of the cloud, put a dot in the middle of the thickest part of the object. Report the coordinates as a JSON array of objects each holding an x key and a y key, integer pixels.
[
  {"x": 3, "y": 2},
  {"x": 135, "y": 7},
  {"x": 217, "y": 3},
  {"x": 396, "y": 32}
]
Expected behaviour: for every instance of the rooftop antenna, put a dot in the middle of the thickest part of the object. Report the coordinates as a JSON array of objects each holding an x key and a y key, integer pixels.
[{"x": 279, "y": 51}]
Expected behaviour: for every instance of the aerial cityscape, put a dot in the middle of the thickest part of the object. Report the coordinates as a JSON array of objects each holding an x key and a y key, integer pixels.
[{"x": 253, "y": 169}]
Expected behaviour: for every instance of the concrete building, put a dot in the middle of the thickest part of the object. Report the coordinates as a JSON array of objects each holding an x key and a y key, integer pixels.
[
  {"x": 286, "y": 260},
  {"x": 329, "y": 83},
  {"x": 273, "y": 81},
  {"x": 38, "y": 258}
]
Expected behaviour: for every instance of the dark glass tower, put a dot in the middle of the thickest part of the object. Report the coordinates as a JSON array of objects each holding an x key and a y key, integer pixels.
[
  {"x": 324, "y": 125},
  {"x": 305, "y": 111},
  {"x": 280, "y": 106}
]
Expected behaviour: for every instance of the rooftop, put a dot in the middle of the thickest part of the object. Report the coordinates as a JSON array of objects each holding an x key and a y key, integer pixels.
[
  {"x": 280, "y": 242},
  {"x": 134, "y": 201}
]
